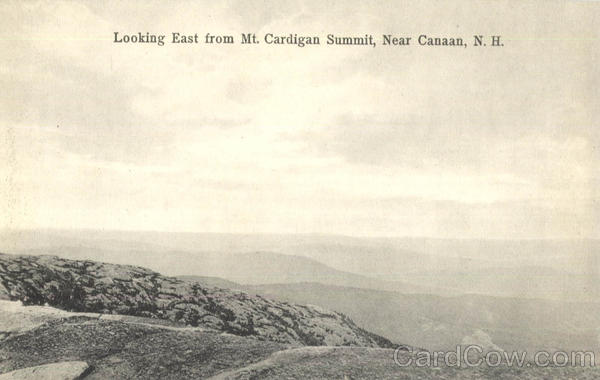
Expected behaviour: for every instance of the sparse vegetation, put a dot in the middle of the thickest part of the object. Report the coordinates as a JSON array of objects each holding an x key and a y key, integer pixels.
[{"x": 121, "y": 289}]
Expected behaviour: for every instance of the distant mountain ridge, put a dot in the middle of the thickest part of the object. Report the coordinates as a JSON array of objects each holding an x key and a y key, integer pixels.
[
  {"x": 89, "y": 286},
  {"x": 510, "y": 268}
]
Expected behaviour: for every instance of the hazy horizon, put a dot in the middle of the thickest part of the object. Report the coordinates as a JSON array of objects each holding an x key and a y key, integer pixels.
[
  {"x": 298, "y": 234},
  {"x": 549, "y": 269}
]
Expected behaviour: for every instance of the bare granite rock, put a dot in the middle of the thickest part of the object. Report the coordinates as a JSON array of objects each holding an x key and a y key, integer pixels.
[
  {"x": 131, "y": 349},
  {"x": 55, "y": 371}
]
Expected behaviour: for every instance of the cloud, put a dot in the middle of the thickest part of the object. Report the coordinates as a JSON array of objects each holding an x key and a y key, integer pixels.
[
  {"x": 410, "y": 141},
  {"x": 334, "y": 139}
]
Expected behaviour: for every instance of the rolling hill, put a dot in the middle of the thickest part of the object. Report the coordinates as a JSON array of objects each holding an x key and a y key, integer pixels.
[
  {"x": 242, "y": 268},
  {"x": 437, "y": 322}
]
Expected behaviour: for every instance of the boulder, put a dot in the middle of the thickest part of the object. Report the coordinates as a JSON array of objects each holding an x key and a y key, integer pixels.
[{"x": 54, "y": 371}]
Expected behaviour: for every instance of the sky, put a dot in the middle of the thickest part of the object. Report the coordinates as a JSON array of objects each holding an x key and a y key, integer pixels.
[{"x": 385, "y": 141}]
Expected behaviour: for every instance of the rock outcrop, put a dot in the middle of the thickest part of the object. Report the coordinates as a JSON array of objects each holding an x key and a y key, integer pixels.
[
  {"x": 72, "y": 370},
  {"x": 88, "y": 286},
  {"x": 116, "y": 349}
]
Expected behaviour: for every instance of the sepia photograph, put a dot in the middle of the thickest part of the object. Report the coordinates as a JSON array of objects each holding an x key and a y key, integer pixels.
[{"x": 299, "y": 189}]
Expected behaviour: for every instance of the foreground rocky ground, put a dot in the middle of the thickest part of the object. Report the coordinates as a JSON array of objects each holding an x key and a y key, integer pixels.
[
  {"x": 127, "y": 350},
  {"x": 85, "y": 347},
  {"x": 377, "y": 363}
]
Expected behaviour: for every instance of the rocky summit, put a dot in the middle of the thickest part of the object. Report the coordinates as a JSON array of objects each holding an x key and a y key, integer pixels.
[{"x": 88, "y": 286}]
